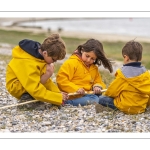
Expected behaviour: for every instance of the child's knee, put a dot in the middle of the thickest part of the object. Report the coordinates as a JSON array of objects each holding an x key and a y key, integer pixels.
[{"x": 16, "y": 91}]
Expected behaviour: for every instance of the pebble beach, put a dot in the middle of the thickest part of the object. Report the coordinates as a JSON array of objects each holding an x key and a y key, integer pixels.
[{"x": 40, "y": 117}]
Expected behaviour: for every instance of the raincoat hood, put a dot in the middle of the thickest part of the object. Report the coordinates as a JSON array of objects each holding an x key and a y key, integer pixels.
[
  {"x": 140, "y": 82},
  {"x": 29, "y": 46}
]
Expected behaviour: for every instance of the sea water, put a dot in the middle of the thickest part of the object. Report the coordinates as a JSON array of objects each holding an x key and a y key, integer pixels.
[{"x": 121, "y": 26}]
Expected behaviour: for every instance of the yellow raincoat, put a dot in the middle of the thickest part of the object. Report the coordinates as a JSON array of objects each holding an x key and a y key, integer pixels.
[
  {"x": 74, "y": 75},
  {"x": 131, "y": 95},
  {"x": 23, "y": 75}
]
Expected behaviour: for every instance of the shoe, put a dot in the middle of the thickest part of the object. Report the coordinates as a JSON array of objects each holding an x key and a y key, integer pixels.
[
  {"x": 100, "y": 108},
  {"x": 55, "y": 107},
  {"x": 26, "y": 97}
]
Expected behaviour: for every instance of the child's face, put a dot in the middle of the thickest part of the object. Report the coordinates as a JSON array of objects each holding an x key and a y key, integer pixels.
[
  {"x": 49, "y": 59},
  {"x": 88, "y": 58}
]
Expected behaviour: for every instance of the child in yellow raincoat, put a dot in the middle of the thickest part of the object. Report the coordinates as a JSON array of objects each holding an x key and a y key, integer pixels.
[
  {"x": 28, "y": 73},
  {"x": 80, "y": 73},
  {"x": 130, "y": 90}
]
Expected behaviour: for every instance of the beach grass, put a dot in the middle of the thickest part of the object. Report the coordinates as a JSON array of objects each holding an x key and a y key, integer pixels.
[{"x": 13, "y": 37}]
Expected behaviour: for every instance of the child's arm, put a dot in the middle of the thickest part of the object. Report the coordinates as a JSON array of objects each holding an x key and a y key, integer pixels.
[
  {"x": 48, "y": 73},
  {"x": 116, "y": 87},
  {"x": 29, "y": 77}
]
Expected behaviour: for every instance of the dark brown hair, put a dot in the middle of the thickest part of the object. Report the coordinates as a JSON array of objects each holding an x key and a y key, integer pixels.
[
  {"x": 133, "y": 50},
  {"x": 97, "y": 47},
  {"x": 55, "y": 46}
]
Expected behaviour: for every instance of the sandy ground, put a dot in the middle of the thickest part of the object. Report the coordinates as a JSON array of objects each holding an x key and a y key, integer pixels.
[{"x": 101, "y": 37}]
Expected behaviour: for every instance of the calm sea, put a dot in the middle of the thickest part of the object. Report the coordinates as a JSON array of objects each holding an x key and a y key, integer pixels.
[{"x": 121, "y": 26}]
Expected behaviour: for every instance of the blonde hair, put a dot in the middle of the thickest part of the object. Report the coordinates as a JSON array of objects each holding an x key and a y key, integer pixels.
[{"x": 55, "y": 46}]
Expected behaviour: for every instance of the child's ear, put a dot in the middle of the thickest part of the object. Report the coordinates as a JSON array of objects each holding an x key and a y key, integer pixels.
[
  {"x": 126, "y": 57},
  {"x": 45, "y": 53}
]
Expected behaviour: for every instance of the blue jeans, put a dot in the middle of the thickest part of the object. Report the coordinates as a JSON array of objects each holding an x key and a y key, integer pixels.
[
  {"x": 85, "y": 100},
  {"x": 107, "y": 101}
]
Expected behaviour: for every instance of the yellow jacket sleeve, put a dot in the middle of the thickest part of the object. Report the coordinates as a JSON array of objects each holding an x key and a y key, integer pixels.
[
  {"x": 28, "y": 72},
  {"x": 116, "y": 86}
]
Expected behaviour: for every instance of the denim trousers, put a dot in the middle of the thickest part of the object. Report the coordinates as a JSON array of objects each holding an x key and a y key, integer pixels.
[
  {"x": 85, "y": 100},
  {"x": 107, "y": 101}
]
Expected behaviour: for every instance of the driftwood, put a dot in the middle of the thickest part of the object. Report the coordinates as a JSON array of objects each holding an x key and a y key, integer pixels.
[
  {"x": 89, "y": 92},
  {"x": 18, "y": 104},
  {"x": 27, "y": 102}
]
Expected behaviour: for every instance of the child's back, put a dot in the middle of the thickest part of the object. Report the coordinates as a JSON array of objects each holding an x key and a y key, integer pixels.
[{"x": 130, "y": 90}]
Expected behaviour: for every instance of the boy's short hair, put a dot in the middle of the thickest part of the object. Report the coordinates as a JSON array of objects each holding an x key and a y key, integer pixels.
[
  {"x": 55, "y": 46},
  {"x": 133, "y": 50}
]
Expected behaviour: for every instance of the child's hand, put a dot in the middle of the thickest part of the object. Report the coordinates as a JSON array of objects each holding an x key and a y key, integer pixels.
[
  {"x": 97, "y": 90},
  {"x": 49, "y": 69},
  {"x": 48, "y": 73},
  {"x": 65, "y": 96},
  {"x": 81, "y": 91}
]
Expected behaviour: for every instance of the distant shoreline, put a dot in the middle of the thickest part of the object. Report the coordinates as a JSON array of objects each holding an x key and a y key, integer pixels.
[{"x": 99, "y": 36}]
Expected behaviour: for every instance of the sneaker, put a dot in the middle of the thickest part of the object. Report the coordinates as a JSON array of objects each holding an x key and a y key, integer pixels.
[{"x": 26, "y": 97}]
